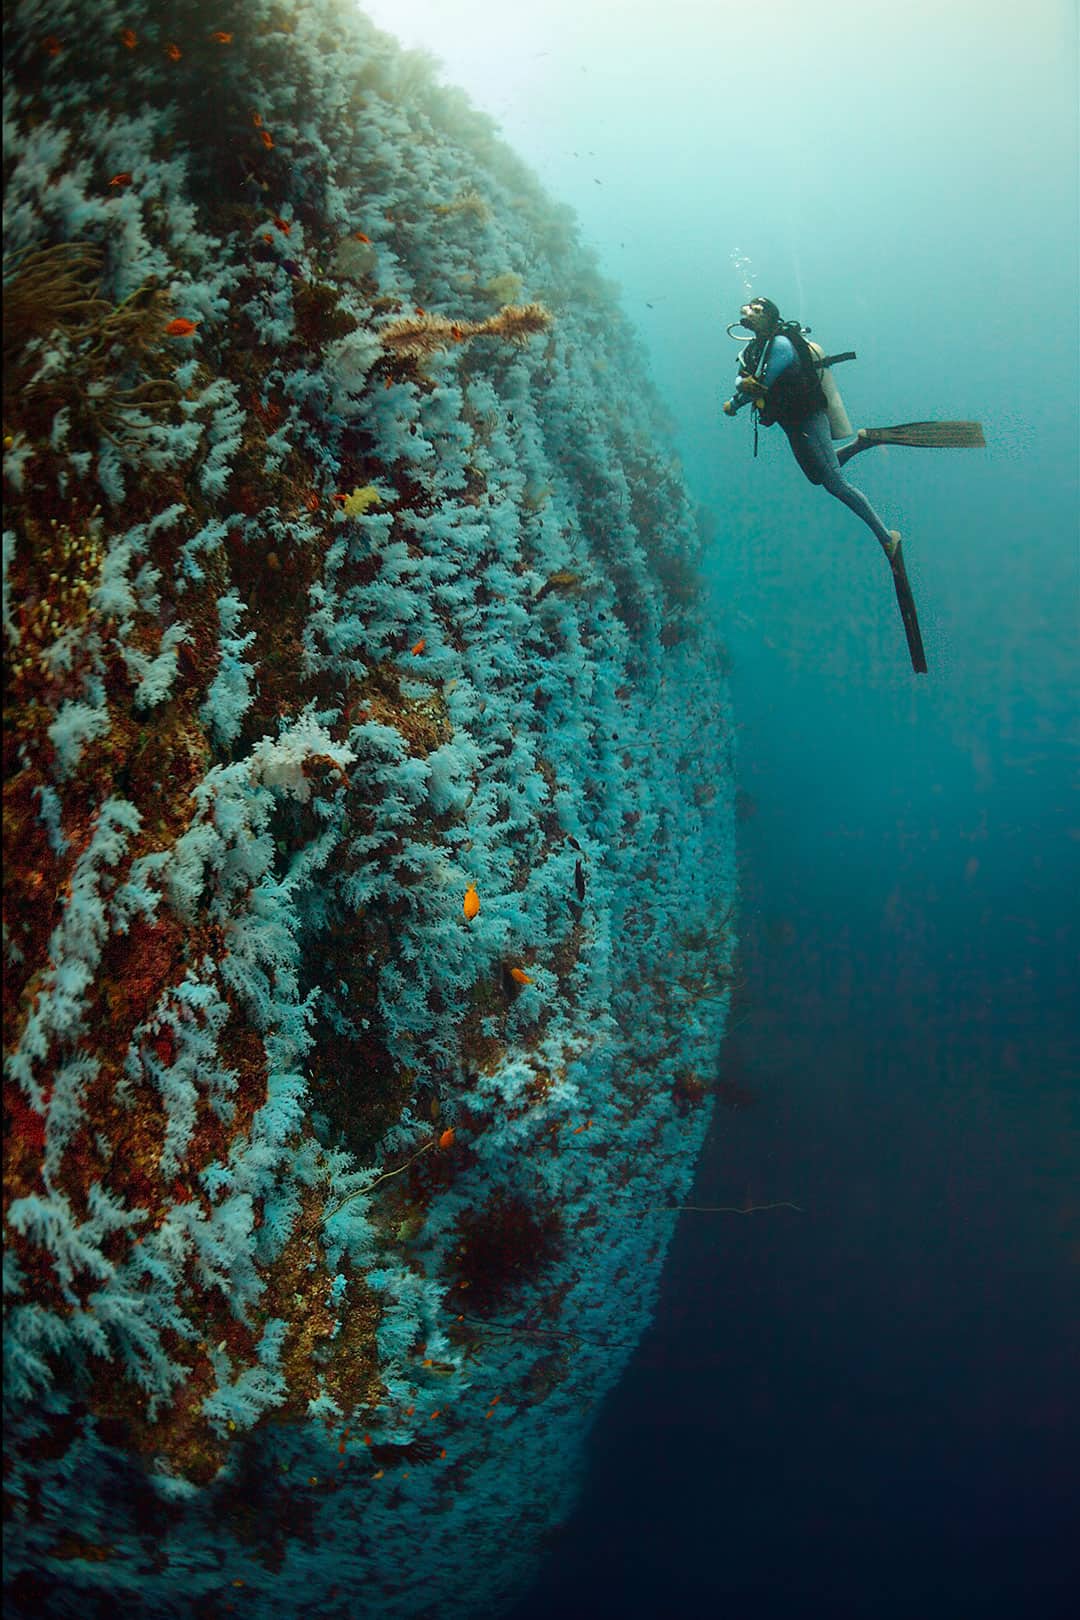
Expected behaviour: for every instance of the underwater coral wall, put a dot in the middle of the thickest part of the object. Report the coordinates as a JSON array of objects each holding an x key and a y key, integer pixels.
[{"x": 367, "y": 809}]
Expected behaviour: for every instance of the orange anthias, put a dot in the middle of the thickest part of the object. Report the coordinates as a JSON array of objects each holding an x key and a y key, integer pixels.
[
  {"x": 520, "y": 976},
  {"x": 471, "y": 903}
]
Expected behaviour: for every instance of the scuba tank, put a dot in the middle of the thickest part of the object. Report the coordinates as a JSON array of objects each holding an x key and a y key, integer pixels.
[{"x": 839, "y": 425}]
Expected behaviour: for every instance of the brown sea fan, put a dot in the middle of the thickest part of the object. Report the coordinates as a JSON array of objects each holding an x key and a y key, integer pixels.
[
  {"x": 53, "y": 289},
  {"x": 518, "y": 322},
  {"x": 416, "y": 337}
]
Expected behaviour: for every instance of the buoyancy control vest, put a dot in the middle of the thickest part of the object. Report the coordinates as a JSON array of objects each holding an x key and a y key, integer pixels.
[{"x": 797, "y": 392}]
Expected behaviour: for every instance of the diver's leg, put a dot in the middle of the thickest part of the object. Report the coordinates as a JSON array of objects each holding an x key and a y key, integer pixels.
[
  {"x": 815, "y": 431},
  {"x": 804, "y": 452},
  {"x": 860, "y": 442}
]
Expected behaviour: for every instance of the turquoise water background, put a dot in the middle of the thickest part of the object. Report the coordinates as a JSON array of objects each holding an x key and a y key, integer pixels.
[{"x": 869, "y": 1406}]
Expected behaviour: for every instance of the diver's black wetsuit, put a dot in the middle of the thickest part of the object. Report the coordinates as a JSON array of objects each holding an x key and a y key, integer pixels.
[{"x": 811, "y": 440}]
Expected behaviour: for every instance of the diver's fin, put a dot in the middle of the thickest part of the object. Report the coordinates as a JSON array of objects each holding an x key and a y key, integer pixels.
[
  {"x": 907, "y": 609},
  {"x": 928, "y": 435}
]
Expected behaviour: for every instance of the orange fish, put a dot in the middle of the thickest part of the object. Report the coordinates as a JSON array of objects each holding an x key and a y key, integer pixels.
[
  {"x": 471, "y": 903},
  {"x": 581, "y": 1128},
  {"x": 267, "y": 236},
  {"x": 282, "y": 225},
  {"x": 380, "y": 1474},
  {"x": 220, "y": 38},
  {"x": 420, "y": 311},
  {"x": 256, "y": 119},
  {"x": 52, "y": 46},
  {"x": 359, "y": 236},
  {"x": 122, "y": 179},
  {"x": 128, "y": 38},
  {"x": 181, "y": 327},
  {"x": 419, "y": 647},
  {"x": 442, "y": 1453},
  {"x": 173, "y": 52},
  {"x": 520, "y": 976},
  {"x": 267, "y": 139},
  {"x": 447, "y": 1138},
  {"x": 312, "y": 502}
]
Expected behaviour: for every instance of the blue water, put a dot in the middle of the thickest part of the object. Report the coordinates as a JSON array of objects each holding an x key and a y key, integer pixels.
[{"x": 870, "y": 1406}]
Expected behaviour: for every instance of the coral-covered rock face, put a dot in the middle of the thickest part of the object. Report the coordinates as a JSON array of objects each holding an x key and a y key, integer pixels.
[{"x": 346, "y": 575}]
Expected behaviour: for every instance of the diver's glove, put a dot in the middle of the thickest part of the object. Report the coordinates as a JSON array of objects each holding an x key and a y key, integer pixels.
[{"x": 729, "y": 407}]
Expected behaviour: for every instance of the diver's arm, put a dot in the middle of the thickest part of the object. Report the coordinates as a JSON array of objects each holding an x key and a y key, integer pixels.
[{"x": 780, "y": 356}]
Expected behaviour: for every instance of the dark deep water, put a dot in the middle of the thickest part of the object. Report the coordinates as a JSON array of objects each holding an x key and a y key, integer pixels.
[{"x": 869, "y": 1408}]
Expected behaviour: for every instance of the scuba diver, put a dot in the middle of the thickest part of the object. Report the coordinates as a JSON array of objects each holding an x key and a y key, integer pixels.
[
  {"x": 780, "y": 376},
  {"x": 786, "y": 379}
]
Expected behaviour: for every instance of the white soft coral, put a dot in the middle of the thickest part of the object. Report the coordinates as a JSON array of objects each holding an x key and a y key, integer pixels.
[{"x": 280, "y": 762}]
